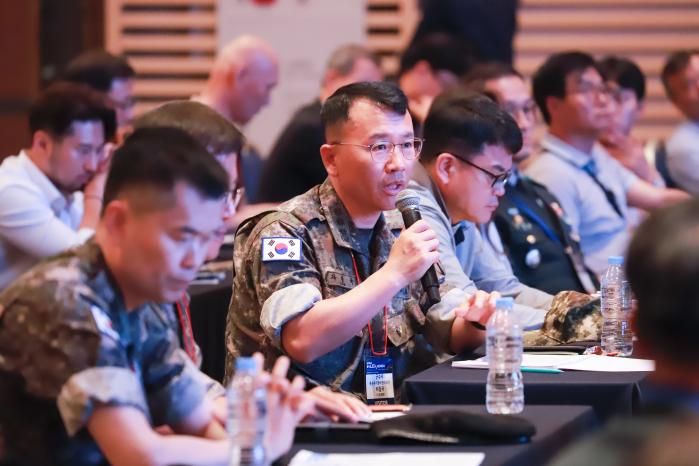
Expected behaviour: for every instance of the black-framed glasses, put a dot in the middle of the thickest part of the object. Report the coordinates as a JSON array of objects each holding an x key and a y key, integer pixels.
[
  {"x": 381, "y": 151},
  {"x": 498, "y": 180}
]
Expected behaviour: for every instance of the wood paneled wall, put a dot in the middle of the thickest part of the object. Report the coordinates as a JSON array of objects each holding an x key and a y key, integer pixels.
[{"x": 171, "y": 43}]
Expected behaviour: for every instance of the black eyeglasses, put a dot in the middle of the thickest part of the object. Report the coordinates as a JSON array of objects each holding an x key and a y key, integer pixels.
[
  {"x": 498, "y": 180},
  {"x": 381, "y": 151}
]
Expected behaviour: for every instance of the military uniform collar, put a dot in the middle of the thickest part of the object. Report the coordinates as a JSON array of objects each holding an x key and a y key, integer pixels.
[{"x": 340, "y": 223}]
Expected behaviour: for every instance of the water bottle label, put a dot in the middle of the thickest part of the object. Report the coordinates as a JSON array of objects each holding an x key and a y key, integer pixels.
[{"x": 379, "y": 380}]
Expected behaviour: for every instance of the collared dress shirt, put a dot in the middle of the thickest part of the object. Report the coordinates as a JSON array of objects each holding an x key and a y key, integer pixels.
[
  {"x": 683, "y": 156},
  {"x": 603, "y": 231},
  {"x": 467, "y": 262},
  {"x": 36, "y": 219}
]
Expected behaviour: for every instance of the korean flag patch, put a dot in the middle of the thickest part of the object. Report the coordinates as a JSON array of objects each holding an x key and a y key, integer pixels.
[{"x": 281, "y": 248}]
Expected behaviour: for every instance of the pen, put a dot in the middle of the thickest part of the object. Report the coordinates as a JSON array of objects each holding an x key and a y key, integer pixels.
[{"x": 541, "y": 370}]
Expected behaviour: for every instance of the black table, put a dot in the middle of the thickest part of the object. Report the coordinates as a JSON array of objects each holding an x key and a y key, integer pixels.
[
  {"x": 609, "y": 393},
  {"x": 556, "y": 427},
  {"x": 208, "y": 309}
]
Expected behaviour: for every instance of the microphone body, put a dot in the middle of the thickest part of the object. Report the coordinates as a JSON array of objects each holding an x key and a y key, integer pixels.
[{"x": 408, "y": 203}]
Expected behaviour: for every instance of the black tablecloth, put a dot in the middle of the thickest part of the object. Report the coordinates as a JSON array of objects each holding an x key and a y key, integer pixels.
[
  {"x": 609, "y": 393},
  {"x": 208, "y": 309},
  {"x": 556, "y": 427}
]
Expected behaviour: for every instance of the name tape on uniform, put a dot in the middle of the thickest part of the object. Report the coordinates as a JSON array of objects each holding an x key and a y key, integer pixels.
[{"x": 281, "y": 248}]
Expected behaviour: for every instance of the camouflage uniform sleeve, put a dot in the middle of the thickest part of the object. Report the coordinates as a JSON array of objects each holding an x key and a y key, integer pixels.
[
  {"x": 173, "y": 384},
  {"x": 109, "y": 380},
  {"x": 285, "y": 288}
]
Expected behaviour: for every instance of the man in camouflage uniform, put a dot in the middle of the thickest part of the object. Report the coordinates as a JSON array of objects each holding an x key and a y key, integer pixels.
[
  {"x": 329, "y": 280},
  {"x": 86, "y": 370}
]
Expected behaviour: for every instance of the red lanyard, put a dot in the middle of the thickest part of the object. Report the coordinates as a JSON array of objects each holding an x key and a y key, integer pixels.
[
  {"x": 190, "y": 346},
  {"x": 385, "y": 320}
]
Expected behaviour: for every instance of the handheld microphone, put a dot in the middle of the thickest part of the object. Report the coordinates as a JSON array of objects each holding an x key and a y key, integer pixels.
[{"x": 408, "y": 203}]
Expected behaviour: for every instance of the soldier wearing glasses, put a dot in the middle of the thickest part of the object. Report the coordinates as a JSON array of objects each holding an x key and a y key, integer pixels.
[
  {"x": 465, "y": 164},
  {"x": 330, "y": 280}
]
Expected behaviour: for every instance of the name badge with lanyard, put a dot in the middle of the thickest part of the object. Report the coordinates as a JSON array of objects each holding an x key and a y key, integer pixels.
[{"x": 378, "y": 365}]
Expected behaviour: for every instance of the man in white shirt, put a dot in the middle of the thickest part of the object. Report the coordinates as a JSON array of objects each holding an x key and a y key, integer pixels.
[
  {"x": 51, "y": 193},
  {"x": 681, "y": 80}
]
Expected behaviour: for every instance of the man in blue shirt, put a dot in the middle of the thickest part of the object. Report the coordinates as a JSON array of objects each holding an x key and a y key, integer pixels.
[
  {"x": 594, "y": 190},
  {"x": 467, "y": 158}
]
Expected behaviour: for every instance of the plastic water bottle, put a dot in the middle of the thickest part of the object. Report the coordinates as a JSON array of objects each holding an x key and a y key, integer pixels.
[
  {"x": 616, "y": 308},
  {"x": 504, "y": 389},
  {"x": 247, "y": 416}
]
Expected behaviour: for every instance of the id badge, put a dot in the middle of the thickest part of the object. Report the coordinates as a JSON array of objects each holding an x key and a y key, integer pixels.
[{"x": 379, "y": 380}]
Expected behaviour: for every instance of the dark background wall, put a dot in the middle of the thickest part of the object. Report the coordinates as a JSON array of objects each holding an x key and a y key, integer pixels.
[{"x": 37, "y": 39}]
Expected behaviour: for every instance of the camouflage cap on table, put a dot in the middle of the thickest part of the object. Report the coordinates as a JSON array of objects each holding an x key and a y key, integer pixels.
[{"x": 573, "y": 317}]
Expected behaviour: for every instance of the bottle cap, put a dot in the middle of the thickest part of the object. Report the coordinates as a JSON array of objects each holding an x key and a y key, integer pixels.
[
  {"x": 615, "y": 260},
  {"x": 245, "y": 364},
  {"x": 504, "y": 303}
]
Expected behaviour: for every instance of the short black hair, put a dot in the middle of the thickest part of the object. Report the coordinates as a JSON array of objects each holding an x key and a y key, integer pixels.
[
  {"x": 386, "y": 95},
  {"x": 159, "y": 158},
  {"x": 625, "y": 73},
  {"x": 463, "y": 122},
  {"x": 663, "y": 270},
  {"x": 675, "y": 63},
  {"x": 442, "y": 51},
  {"x": 61, "y": 104},
  {"x": 550, "y": 79},
  {"x": 213, "y": 131},
  {"x": 481, "y": 73},
  {"x": 97, "y": 69}
]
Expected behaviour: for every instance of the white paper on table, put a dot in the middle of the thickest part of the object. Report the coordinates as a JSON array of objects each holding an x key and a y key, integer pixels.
[
  {"x": 583, "y": 362},
  {"x": 310, "y": 458},
  {"x": 550, "y": 361},
  {"x": 380, "y": 416}
]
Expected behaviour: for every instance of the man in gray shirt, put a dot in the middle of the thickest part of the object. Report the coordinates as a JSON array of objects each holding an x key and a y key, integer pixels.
[
  {"x": 467, "y": 156},
  {"x": 594, "y": 189},
  {"x": 681, "y": 80}
]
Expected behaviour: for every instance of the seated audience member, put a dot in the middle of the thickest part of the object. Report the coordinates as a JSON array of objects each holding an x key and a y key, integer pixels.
[
  {"x": 680, "y": 78},
  {"x": 530, "y": 224},
  {"x": 464, "y": 165},
  {"x": 51, "y": 193},
  {"x": 110, "y": 74},
  {"x": 430, "y": 66},
  {"x": 627, "y": 86},
  {"x": 239, "y": 85},
  {"x": 294, "y": 165},
  {"x": 663, "y": 269},
  {"x": 310, "y": 276},
  {"x": 218, "y": 135},
  {"x": 223, "y": 140},
  {"x": 85, "y": 373},
  {"x": 594, "y": 189}
]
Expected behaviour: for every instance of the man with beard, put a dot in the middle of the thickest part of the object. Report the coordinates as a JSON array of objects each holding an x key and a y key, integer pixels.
[
  {"x": 594, "y": 190},
  {"x": 535, "y": 235},
  {"x": 51, "y": 193}
]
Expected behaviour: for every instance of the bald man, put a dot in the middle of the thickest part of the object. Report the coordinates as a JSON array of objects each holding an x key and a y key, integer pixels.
[
  {"x": 240, "y": 83},
  {"x": 242, "y": 79}
]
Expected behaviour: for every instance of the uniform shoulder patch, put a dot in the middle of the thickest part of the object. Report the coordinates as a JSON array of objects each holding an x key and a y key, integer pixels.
[{"x": 281, "y": 248}]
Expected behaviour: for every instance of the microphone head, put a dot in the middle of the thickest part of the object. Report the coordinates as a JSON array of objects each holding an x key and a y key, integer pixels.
[{"x": 407, "y": 199}]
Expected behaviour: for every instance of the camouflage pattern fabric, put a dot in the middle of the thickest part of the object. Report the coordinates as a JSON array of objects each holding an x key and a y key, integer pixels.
[
  {"x": 573, "y": 317},
  {"x": 267, "y": 294},
  {"x": 67, "y": 343}
]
